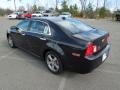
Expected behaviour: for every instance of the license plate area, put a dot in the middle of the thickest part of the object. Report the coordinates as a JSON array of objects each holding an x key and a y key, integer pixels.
[{"x": 104, "y": 56}]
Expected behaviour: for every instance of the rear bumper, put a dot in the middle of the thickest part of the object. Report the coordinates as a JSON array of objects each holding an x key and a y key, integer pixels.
[{"x": 87, "y": 64}]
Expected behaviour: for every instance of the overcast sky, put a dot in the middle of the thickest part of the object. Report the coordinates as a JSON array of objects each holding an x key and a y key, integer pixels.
[{"x": 111, "y": 4}]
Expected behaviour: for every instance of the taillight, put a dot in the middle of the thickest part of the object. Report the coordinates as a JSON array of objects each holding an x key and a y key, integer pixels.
[{"x": 91, "y": 49}]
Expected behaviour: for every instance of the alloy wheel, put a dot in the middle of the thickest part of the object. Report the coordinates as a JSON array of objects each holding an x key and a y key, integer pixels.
[{"x": 53, "y": 63}]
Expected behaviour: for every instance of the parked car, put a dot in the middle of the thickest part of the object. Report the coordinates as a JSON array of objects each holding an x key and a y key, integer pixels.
[
  {"x": 15, "y": 15},
  {"x": 12, "y": 15},
  {"x": 24, "y": 15},
  {"x": 65, "y": 14},
  {"x": 27, "y": 15},
  {"x": 37, "y": 14},
  {"x": 48, "y": 13},
  {"x": 117, "y": 15},
  {"x": 61, "y": 43},
  {"x": 19, "y": 15}
]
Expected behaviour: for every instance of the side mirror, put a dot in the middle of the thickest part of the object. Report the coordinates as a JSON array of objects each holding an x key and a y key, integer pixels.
[{"x": 14, "y": 27}]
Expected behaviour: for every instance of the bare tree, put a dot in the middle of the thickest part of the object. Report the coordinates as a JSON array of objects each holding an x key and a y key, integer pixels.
[
  {"x": 83, "y": 6},
  {"x": 104, "y": 4},
  {"x": 116, "y": 5},
  {"x": 21, "y": 8},
  {"x": 15, "y": 3},
  {"x": 56, "y": 5},
  {"x": 97, "y": 4},
  {"x": 29, "y": 8}
]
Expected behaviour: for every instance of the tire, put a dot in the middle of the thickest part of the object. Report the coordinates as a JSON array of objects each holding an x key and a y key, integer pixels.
[
  {"x": 116, "y": 19},
  {"x": 11, "y": 42},
  {"x": 53, "y": 62}
]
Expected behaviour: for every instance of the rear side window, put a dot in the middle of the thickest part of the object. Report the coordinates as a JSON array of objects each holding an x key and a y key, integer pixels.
[
  {"x": 39, "y": 27},
  {"x": 23, "y": 25}
]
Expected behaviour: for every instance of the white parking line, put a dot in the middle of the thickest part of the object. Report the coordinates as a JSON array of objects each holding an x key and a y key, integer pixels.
[
  {"x": 62, "y": 83},
  {"x": 109, "y": 71},
  {"x": 4, "y": 56}
]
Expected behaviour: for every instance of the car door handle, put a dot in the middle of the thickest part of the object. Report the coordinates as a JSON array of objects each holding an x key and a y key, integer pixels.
[{"x": 42, "y": 38}]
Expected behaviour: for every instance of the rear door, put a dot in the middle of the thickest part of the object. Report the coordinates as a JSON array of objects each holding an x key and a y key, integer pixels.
[{"x": 38, "y": 35}]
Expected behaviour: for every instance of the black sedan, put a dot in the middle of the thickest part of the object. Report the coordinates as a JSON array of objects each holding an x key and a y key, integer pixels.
[{"x": 61, "y": 43}]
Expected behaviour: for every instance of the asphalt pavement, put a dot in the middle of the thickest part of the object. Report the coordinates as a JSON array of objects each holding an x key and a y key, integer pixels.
[{"x": 22, "y": 71}]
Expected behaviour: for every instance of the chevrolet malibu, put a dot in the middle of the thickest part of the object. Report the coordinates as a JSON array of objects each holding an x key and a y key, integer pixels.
[{"x": 63, "y": 43}]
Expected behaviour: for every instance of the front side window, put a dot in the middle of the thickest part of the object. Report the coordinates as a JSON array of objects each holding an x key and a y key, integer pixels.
[{"x": 23, "y": 25}]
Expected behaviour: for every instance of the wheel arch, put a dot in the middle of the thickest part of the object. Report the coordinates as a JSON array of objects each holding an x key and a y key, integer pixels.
[
  {"x": 51, "y": 46},
  {"x": 55, "y": 47},
  {"x": 59, "y": 55},
  {"x": 48, "y": 50}
]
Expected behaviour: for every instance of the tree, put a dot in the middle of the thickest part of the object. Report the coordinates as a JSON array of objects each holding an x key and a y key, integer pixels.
[
  {"x": 29, "y": 8},
  {"x": 89, "y": 11},
  {"x": 74, "y": 10},
  {"x": 8, "y": 11},
  {"x": 71, "y": 9},
  {"x": 65, "y": 6},
  {"x": 102, "y": 12},
  {"x": 97, "y": 9},
  {"x": 5, "y": 11},
  {"x": 21, "y": 8},
  {"x": 56, "y": 5},
  {"x": 51, "y": 9},
  {"x": 40, "y": 8},
  {"x": 2, "y": 12},
  {"x": 83, "y": 7},
  {"x": 104, "y": 4},
  {"x": 15, "y": 3},
  {"x": 34, "y": 8}
]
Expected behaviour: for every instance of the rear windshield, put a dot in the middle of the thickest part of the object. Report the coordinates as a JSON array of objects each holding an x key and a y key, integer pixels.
[{"x": 74, "y": 26}]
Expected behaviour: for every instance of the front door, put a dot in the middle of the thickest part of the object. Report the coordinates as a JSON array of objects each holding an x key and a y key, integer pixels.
[
  {"x": 20, "y": 34},
  {"x": 37, "y": 36}
]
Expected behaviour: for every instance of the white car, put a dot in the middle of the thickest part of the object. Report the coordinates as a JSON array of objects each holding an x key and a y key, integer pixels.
[
  {"x": 37, "y": 14},
  {"x": 48, "y": 13},
  {"x": 12, "y": 16},
  {"x": 65, "y": 14}
]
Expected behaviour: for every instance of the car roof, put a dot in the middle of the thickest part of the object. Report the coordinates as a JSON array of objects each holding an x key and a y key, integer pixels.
[{"x": 52, "y": 19}]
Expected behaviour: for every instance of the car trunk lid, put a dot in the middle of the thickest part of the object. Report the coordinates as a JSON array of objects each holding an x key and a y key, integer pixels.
[{"x": 97, "y": 37}]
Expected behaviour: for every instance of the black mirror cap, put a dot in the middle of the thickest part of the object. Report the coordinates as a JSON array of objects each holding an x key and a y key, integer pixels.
[{"x": 14, "y": 27}]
